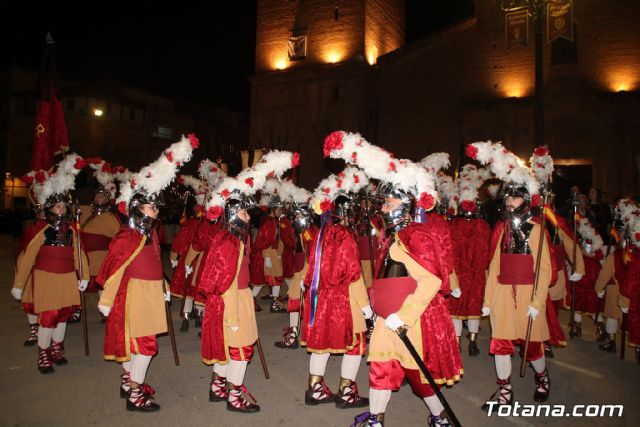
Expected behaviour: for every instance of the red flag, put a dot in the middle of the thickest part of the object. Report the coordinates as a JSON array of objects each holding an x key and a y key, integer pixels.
[{"x": 50, "y": 134}]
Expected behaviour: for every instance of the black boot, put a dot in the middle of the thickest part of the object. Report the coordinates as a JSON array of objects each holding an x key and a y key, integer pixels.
[
  {"x": 318, "y": 391},
  {"x": 348, "y": 396},
  {"x": 141, "y": 399},
  {"x": 33, "y": 335},
  {"x": 276, "y": 308},
  {"x": 57, "y": 353},
  {"x": 543, "y": 385},
  {"x": 240, "y": 400},
  {"x": 473, "y": 345},
  {"x": 548, "y": 351},
  {"x": 609, "y": 345},
  {"x": 289, "y": 338},
  {"x": 45, "y": 366}
]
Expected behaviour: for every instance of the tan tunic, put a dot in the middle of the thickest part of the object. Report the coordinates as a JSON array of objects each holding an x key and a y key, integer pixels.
[
  {"x": 294, "y": 292},
  {"x": 239, "y": 311},
  {"x": 558, "y": 290},
  {"x": 145, "y": 309},
  {"x": 385, "y": 344},
  {"x": 606, "y": 280},
  {"x": 509, "y": 318},
  {"x": 51, "y": 291},
  {"x": 275, "y": 255},
  {"x": 107, "y": 225}
]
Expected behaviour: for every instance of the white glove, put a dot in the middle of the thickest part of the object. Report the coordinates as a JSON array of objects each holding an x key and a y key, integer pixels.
[
  {"x": 267, "y": 262},
  {"x": 533, "y": 312},
  {"x": 302, "y": 285},
  {"x": 16, "y": 293},
  {"x": 368, "y": 313},
  {"x": 486, "y": 311},
  {"x": 625, "y": 310},
  {"x": 601, "y": 294},
  {"x": 393, "y": 322},
  {"x": 234, "y": 329},
  {"x": 167, "y": 297},
  {"x": 187, "y": 270},
  {"x": 104, "y": 310},
  {"x": 174, "y": 263},
  {"x": 575, "y": 277},
  {"x": 83, "y": 285},
  {"x": 456, "y": 292}
]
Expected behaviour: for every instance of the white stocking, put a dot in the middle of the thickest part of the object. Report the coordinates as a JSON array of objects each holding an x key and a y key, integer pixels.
[
  {"x": 318, "y": 363},
  {"x": 294, "y": 316},
  {"x": 32, "y": 318},
  {"x": 236, "y": 371},
  {"x": 139, "y": 365},
  {"x": 221, "y": 370},
  {"x": 275, "y": 291},
  {"x": 44, "y": 337},
  {"x": 200, "y": 310},
  {"x": 378, "y": 400},
  {"x": 188, "y": 305},
  {"x": 577, "y": 317},
  {"x": 538, "y": 365},
  {"x": 503, "y": 366},
  {"x": 350, "y": 366},
  {"x": 59, "y": 331},
  {"x": 256, "y": 290},
  {"x": 126, "y": 366},
  {"x": 473, "y": 325},
  {"x": 612, "y": 326},
  {"x": 434, "y": 405},
  {"x": 457, "y": 325}
]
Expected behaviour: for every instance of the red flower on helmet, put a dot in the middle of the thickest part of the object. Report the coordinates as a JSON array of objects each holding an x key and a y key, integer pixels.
[
  {"x": 214, "y": 212},
  {"x": 249, "y": 182},
  {"x": 426, "y": 201},
  {"x": 326, "y": 205},
  {"x": 295, "y": 160},
  {"x": 535, "y": 200},
  {"x": 27, "y": 179},
  {"x": 356, "y": 179},
  {"x": 40, "y": 177},
  {"x": 214, "y": 169},
  {"x": 541, "y": 151},
  {"x": 225, "y": 193},
  {"x": 354, "y": 156},
  {"x": 193, "y": 139},
  {"x": 471, "y": 152},
  {"x": 392, "y": 166},
  {"x": 332, "y": 142},
  {"x": 451, "y": 211},
  {"x": 169, "y": 155},
  {"x": 106, "y": 167},
  {"x": 94, "y": 160},
  {"x": 122, "y": 208},
  {"x": 468, "y": 206},
  {"x": 339, "y": 183},
  {"x": 122, "y": 169},
  {"x": 80, "y": 163}
]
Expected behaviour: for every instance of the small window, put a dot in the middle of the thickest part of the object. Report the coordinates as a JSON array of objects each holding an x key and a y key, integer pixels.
[{"x": 163, "y": 132}]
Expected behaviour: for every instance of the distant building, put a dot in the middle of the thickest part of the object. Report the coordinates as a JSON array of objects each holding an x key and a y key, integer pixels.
[
  {"x": 123, "y": 125},
  {"x": 450, "y": 88}
]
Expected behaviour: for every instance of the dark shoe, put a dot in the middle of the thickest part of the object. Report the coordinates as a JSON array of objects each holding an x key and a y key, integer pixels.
[
  {"x": 367, "y": 419},
  {"x": 57, "y": 353},
  {"x": 218, "y": 389},
  {"x": 473, "y": 345},
  {"x": 438, "y": 421},
  {"x": 348, "y": 396},
  {"x": 198, "y": 321},
  {"x": 543, "y": 385},
  {"x": 141, "y": 399},
  {"x": 276, "y": 308},
  {"x": 576, "y": 329},
  {"x": 185, "y": 325},
  {"x": 600, "y": 332},
  {"x": 44, "y": 361},
  {"x": 256, "y": 306},
  {"x": 609, "y": 346},
  {"x": 240, "y": 400},
  {"x": 548, "y": 351},
  {"x": 318, "y": 393},
  {"x": 504, "y": 394},
  {"x": 289, "y": 338},
  {"x": 33, "y": 335}
]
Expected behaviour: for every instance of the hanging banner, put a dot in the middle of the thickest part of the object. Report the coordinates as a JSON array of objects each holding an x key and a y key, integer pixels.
[
  {"x": 516, "y": 26},
  {"x": 559, "y": 20}
]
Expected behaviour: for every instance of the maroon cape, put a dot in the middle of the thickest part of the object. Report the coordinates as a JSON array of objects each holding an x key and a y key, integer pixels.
[
  {"x": 180, "y": 245},
  {"x": 289, "y": 239},
  {"x": 339, "y": 267},
  {"x": 267, "y": 237},
  {"x": 630, "y": 288}
]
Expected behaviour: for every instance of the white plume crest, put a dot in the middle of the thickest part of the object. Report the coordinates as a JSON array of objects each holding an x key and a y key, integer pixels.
[
  {"x": 61, "y": 181},
  {"x": 105, "y": 178},
  {"x": 350, "y": 180},
  {"x": 591, "y": 241},
  {"x": 211, "y": 172},
  {"x": 436, "y": 162},
  {"x": 542, "y": 164}
]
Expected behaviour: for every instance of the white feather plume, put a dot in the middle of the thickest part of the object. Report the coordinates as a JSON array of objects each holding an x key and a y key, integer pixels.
[
  {"x": 591, "y": 241},
  {"x": 350, "y": 180},
  {"x": 61, "y": 181}
]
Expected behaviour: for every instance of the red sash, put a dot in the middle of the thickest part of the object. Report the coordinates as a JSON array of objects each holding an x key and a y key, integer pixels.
[
  {"x": 388, "y": 295},
  {"x": 244, "y": 274},
  {"x": 559, "y": 255},
  {"x": 146, "y": 265},
  {"x": 516, "y": 269},
  {"x": 363, "y": 248},
  {"x": 96, "y": 242},
  {"x": 55, "y": 259}
]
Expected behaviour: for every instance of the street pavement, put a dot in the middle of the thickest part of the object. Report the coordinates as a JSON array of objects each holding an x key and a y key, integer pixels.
[{"x": 86, "y": 391}]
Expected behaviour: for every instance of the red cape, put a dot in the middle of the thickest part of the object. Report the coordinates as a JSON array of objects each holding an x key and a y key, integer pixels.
[
  {"x": 289, "y": 239},
  {"x": 266, "y": 238},
  {"x": 183, "y": 239}
]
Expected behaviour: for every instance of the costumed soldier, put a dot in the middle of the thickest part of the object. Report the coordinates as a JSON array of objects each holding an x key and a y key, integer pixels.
[
  {"x": 335, "y": 297},
  {"x": 413, "y": 273},
  {"x": 509, "y": 294},
  {"x": 229, "y": 329},
  {"x": 630, "y": 287},
  {"x": 47, "y": 267},
  {"x": 133, "y": 280}
]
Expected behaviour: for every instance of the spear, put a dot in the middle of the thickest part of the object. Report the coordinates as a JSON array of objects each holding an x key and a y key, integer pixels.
[{"x": 83, "y": 302}]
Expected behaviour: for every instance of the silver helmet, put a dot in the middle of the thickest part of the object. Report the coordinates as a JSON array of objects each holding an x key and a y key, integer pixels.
[
  {"x": 137, "y": 219},
  {"x": 399, "y": 216},
  {"x": 234, "y": 204},
  {"x": 301, "y": 216}
]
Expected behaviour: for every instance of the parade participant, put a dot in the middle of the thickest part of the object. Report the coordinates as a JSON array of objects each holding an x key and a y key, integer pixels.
[
  {"x": 27, "y": 296},
  {"x": 413, "y": 273},
  {"x": 630, "y": 287},
  {"x": 229, "y": 328},
  {"x": 471, "y": 236},
  {"x": 132, "y": 277},
  {"x": 182, "y": 242},
  {"x": 612, "y": 273},
  {"x": 48, "y": 265},
  {"x": 513, "y": 273},
  {"x": 335, "y": 298},
  {"x": 103, "y": 224},
  {"x": 586, "y": 299}
]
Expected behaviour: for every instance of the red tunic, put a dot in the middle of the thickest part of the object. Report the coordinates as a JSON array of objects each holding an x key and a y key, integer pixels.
[
  {"x": 180, "y": 245},
  {"x": 267, "y": 237},
  {"x": 471, "y": 238},
  {"x": 587, "y": 301},
  {"x": 204, "y": 236},
  {"x": 339, "y": 266},
  {"x": 630, "y": 288},
  {"x": 289, "y": 240}
]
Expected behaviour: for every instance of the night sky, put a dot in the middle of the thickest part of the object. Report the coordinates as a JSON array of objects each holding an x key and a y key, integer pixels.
[{"x": 203, "y": 54}]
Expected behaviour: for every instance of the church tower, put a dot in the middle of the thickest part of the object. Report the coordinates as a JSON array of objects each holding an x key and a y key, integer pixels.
[{"x": 316, "y": 72}]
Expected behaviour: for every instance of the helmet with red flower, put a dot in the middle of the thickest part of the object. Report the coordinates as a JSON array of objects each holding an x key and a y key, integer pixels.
[
  {"x": 334, "y": 196},
  {"x": 590, "y": 240},
  {"x": 435, "y": 163},
  {"x": 468, "y": 184},
  {"x": 402, "y": 180}
]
